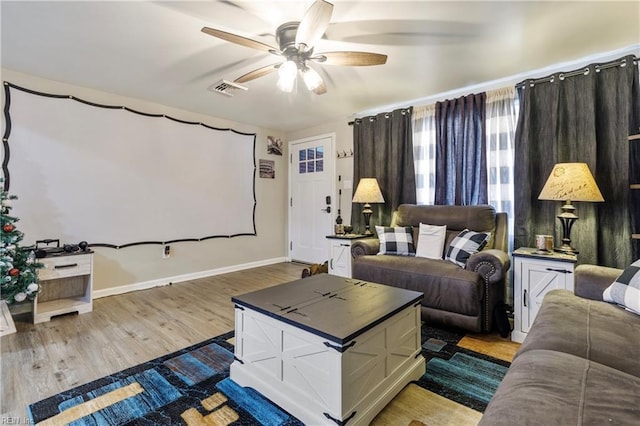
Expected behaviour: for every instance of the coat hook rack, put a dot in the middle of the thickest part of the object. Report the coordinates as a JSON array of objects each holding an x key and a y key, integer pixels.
[{"x": 345, "y": 154}]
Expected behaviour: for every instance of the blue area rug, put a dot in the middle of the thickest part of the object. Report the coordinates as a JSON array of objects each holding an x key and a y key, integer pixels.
[
  {"x": 459, "y": 374},
  {"x": 192, "y": 386}
]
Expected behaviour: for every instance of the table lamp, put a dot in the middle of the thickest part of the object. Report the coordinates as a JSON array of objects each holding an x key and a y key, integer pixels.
[
  {"x": 570, "y": 182},
  {"x": 368, "y": 191}
]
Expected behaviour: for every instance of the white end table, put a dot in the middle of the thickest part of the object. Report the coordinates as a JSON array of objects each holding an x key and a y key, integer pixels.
[
  {"x": 340, "y": 259},
  {"x": 534, "y": 276}
]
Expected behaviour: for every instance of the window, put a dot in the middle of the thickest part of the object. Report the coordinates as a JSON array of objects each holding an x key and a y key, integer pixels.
[
  {"x": 424, "y": 152},
  {"x": 311, "y": 160},
  {"x": 501, "y": 119}
]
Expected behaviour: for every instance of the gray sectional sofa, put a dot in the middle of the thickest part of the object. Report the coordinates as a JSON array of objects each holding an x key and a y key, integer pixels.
[
  {"x": 462, "y": 297},
  {"x": 579, "y": 364}
]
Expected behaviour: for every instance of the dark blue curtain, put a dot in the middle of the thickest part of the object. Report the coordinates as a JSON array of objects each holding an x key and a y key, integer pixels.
[
  {"x": 383, "y": 148},
  {"x": 461, "y": 160},
  {"x": 584, "y": 116}
]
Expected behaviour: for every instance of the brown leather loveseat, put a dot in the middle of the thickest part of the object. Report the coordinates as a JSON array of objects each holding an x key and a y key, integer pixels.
[{"x": 457, "y": 296}]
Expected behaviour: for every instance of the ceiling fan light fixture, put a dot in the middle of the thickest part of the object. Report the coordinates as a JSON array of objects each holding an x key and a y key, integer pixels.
[
  {"x": 296, "y": 47},
  {"x": 311, "y": 78},
  {"x": 287, "y": 76}
]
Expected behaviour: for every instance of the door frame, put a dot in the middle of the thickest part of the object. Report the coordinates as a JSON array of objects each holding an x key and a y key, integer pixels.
[{"x": 332, "y": 174}]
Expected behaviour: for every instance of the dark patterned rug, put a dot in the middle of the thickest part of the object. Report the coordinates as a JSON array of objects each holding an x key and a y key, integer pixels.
[{"x": 192, "y": 387}]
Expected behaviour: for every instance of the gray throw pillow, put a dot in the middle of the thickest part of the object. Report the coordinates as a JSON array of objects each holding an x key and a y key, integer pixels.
[{"x": 625, "y": 290}]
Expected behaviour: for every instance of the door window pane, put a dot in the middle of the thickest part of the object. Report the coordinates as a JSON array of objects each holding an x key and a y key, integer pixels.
[{"x": 311, "y": 160}]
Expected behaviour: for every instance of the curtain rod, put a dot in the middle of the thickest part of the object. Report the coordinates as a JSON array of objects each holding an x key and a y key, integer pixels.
[
  {"x": 551, "y": 78},
  {"x": 372, "y": 118}
]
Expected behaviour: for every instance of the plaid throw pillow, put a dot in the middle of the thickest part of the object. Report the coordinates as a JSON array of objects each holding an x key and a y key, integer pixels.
[
  {"x": 625, "y": 290},
  {"x": 398, "y": 240},
  {"x": 465, "y": 244}
]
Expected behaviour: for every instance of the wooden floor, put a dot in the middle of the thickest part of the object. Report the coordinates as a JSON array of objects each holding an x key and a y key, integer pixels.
[{"x": 125, "y": 330}]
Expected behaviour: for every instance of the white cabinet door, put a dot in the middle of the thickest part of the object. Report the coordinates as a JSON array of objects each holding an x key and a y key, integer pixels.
[
  {"x": 340, "y": 260},
  {"x": 539, "y": 279}
]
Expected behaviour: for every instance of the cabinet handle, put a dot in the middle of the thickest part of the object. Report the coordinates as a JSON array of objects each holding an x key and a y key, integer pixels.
[
  {"x": 331, "y": 264},
  {"x": 344, "y": 245},
  {"x": 562, "y": 271},
  {"x": 524, "y": 301},
  {"x": 70, "y": 265}
]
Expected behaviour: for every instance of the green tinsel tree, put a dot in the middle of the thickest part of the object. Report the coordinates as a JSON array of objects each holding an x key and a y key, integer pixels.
[{"x": 18, "y": 266}]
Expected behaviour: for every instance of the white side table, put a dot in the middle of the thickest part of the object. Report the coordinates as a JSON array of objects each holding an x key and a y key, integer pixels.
[
  {"x": 534, "y": 276},
  {"x": 66, "y": 285},
  {"x": 340, "y": 259}
]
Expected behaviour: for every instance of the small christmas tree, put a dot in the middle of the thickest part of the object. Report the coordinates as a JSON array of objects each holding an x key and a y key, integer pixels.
[{"x": 18, "y": 266}]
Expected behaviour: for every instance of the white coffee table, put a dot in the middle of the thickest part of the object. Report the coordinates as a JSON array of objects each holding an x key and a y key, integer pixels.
[{"x": 327, "y": 349}]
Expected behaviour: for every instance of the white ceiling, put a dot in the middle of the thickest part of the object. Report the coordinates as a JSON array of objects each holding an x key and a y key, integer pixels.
[{"x": 155, "y": 50}]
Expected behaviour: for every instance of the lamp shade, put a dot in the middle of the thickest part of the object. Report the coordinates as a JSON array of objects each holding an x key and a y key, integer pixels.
[
  {"x": 368, "y": 191},
  {"x": 571, "y": 181}
]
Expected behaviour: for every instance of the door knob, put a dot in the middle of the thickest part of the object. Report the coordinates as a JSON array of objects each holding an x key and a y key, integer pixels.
[{"x": 328, "y": 209}]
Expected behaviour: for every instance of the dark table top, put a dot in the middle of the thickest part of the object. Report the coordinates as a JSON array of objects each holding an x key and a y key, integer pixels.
[{"x": 338, "y": 309}]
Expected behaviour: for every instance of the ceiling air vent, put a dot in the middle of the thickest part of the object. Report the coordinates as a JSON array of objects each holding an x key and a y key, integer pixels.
[{"x": 225, "y": 87}]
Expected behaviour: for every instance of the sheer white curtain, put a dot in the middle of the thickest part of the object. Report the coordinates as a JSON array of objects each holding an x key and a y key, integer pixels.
[
  {"x": 424, "y": 152},
  {"x": 501, "y": 119}
]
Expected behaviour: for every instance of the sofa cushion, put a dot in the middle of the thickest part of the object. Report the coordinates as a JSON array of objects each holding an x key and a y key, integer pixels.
[
  {"x": 590, "y": 329},
  {"x": 396, "y": 240},
  {"x": 545, "y": 387},
  {"x": 445, "y": 286},
  {"x": 625, "y": 290},
  {"x": 464, "y": 245},
  {"x": 431, "y": 241}
]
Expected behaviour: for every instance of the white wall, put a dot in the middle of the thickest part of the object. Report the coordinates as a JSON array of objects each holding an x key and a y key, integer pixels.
[{"x": 143, "y": 266}]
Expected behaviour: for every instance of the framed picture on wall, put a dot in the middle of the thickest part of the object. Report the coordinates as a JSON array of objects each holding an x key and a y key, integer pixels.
[
  {"x": 274, "y": 145},
  {"x": 267, "y": 169}
]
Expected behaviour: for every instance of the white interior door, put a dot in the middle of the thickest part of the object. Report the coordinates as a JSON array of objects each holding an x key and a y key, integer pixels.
[{"x": 311, "y": 198}]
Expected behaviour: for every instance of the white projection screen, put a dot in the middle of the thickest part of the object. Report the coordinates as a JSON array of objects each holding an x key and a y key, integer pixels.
[{"x": 116, "y": 177}]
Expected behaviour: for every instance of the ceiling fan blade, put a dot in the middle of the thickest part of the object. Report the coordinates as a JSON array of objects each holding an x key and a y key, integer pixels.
[
  {"x": 257, "y": 73},
  {"x": 313, "y": 24},
  {"x": 353, "y": 59},
  {"x": 320, "y": 90},
  {"x": 242, "y": 41}
]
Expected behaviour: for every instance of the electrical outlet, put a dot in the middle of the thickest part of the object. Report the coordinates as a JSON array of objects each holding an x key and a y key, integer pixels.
[{"x": 166, "y": 252}]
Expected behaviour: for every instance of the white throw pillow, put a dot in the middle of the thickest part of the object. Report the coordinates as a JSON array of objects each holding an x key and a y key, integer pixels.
[{"x": 431, "y": 241}]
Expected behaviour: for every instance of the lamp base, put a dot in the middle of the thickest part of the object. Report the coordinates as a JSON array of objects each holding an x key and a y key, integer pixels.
[
  {"x": 567, "y": 219},
  {"x": 367, "y": 212},
  {"x": 566, "y": 250}
]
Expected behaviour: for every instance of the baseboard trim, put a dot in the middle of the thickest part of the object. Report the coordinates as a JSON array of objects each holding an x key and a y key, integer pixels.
[{"x": 112, "y": 291}]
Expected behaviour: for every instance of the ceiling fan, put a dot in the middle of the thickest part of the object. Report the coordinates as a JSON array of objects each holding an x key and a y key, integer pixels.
[{"x": 296, "y": 41}]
